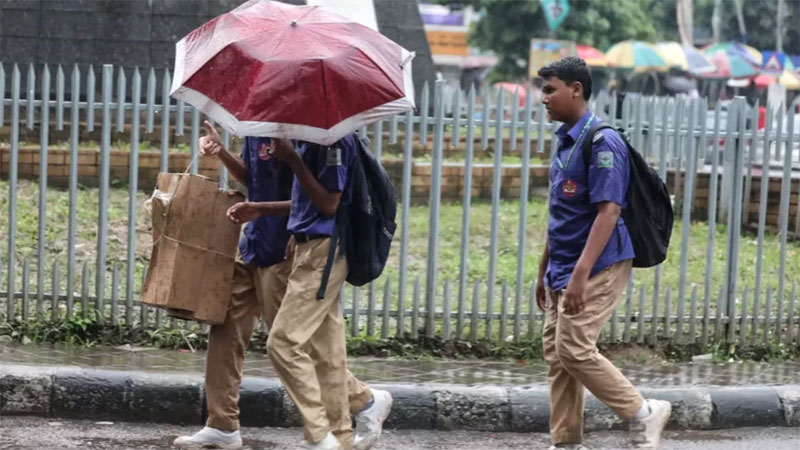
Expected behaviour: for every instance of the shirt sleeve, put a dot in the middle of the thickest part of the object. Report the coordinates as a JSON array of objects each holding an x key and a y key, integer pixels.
[
  {"x": 608, "y": 169},
  {"x": 335, "y": 162}
]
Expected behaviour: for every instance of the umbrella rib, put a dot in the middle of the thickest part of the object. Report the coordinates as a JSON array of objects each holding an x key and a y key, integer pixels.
[{"x": 325, "y": 91}]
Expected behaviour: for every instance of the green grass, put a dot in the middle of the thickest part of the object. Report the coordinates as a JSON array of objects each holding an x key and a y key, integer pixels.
[{"x": 449, "y": 243}]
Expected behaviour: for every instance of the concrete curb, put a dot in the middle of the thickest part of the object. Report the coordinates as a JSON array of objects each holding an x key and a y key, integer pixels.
[{"x": 74, "y": 392}]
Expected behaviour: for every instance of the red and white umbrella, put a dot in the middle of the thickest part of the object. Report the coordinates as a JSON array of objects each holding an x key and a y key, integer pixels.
[{"x": 300, "y": 72}]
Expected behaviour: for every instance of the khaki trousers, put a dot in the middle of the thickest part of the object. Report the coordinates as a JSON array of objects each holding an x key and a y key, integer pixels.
[
  {"x": 255, "y": 292},
  {"x": 307, "y": 346},
  {"x": 574, "y": 361}
]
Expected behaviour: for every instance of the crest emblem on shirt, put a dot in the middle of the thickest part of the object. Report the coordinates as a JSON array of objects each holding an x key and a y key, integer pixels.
[
  {"x": 569, "y": 187},
  {"x": 334, "y": 156},
  {"x": 264, "y": 151},
  {"x": 605, "y": 160}
]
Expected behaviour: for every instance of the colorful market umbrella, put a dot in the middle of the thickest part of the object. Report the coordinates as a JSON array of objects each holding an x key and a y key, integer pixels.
[
  {"x": 684, "y": 57},
  {"x": 746, "y": 52},
  {"x": 512, "y": 88},
  {"x": 302, "y": 72},
  {"x": 592, "y": 56},
  {"x": 634, "y": 55},
  {"x": 795, "y": 59},
  {"x": 789, "y": 77},
  {"x": 730, "y": 66}
]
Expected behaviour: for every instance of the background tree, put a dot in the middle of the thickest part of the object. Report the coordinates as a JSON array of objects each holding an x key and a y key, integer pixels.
[{"x": 508, "y": 26}]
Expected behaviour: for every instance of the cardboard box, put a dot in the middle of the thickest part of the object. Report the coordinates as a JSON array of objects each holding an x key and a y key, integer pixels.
[{"x": 194, "y": 248}]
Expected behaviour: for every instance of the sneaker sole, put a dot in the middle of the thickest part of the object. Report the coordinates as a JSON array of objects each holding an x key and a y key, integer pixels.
[
  {"x": 193, "y": 446},
  {"x": 663, "y": 423},
  {"x": 369, "y": 443}
]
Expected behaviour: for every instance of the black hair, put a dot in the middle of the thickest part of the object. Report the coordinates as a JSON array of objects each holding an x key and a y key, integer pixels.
[{"x": 570, "y": 70}]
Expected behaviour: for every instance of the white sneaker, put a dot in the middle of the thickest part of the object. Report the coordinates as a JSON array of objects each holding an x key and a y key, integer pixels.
[
  {"x": 329, "y": 443},
  {"x": 646, "y": 433},
  {"x": 369, "y": 422},
  {"x": 210, "y": 438},
  {"x": 568, "y": 447}
]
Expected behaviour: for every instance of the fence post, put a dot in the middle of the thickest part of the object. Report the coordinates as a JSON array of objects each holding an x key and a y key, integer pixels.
[
  {"x": 105, "y": 155},
  {"x": 737, "y": 113},
  {"x": 435, "y": 202},
  {"x": 12, "y": 190}
]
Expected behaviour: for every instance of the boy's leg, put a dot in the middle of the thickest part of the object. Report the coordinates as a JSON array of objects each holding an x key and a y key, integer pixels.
[
  {"x": 566, "y": 392},
  {"x": 226, "y": 346},
  {"x": 271, "y": 288},
  {"x": 306, "y": 325},
  {"x": 576, "y": 339}
]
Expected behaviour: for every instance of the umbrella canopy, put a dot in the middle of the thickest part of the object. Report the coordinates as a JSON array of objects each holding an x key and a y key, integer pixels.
[
  {"x": 746, "y": 52},
  {"x": 512, "y": 88},
  {"x": 789, "y": 77},
  {"x": 795, "y": 59},
  {"x": 684, "y": 57},
  {"x": 730, "y": 66},
  {"x": 592, "y": 56},
  {"x": 635, "y": 55},
  {"x": 302, "y": 72}
]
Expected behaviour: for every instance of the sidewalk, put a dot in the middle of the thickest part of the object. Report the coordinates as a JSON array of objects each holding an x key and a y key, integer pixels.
[{"x": 144, "y": 384}]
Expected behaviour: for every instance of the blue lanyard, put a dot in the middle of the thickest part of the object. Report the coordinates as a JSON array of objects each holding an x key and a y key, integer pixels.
[{"x": 563, "y": 166}]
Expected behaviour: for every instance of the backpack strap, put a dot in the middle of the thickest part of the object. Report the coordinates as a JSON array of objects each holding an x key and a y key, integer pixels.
[
  {"x": 326, "y": 272},
  {"x": 588, "y": 141},
  {"x": 341, "y": 222}
]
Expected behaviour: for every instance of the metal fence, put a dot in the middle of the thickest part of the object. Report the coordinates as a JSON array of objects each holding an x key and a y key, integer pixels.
[{"x": 682, "y": 138}]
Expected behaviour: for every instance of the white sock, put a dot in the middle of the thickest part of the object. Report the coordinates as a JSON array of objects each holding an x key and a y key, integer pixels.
[{"x": 643, "y": 412}]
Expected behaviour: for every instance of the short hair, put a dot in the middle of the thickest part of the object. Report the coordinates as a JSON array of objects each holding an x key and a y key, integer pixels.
[{"x": 570, "y": 70}]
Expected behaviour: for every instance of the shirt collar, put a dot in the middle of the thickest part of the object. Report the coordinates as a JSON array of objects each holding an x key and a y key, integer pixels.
[{"x": 564, "y": 133}]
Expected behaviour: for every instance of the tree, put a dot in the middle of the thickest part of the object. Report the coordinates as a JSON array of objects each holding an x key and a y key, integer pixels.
[{"x": 508, "y": 26}]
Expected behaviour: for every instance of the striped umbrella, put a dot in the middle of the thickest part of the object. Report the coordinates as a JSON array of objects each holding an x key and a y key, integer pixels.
[
  {"x": 746, "y": 52},
  {"x": 592, "y": 56},
  {"x": 730, "y": 66},
  {"x": 789, "y": 77},
  {"x": 684, "y": 57},
  {"x": 635, "y": 55}
]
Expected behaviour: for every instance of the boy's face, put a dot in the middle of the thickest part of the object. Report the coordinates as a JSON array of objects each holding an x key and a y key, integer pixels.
[{"x": 559, "y": 98}]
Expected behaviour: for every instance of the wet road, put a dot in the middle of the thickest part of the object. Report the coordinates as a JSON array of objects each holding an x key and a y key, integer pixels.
[{"x": 20, "y": 433}]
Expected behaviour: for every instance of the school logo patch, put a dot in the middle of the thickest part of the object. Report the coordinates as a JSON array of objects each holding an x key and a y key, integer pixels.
[
  {"x": 605, "y": 160},
  {"x": 265, "y": 151},
  {"x": 334, "y": 156},
  {"x": 569, "y": 187}
]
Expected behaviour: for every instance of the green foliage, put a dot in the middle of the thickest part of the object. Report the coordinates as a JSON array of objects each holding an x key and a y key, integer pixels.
[
  {"x": 507, "y": 27},
  {"x": 424, "y": 348},
  {"x": 771, "y": 352}
]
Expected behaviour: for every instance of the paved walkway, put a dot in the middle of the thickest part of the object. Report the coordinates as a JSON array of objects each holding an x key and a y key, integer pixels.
[{"x": 377, "y": 371}]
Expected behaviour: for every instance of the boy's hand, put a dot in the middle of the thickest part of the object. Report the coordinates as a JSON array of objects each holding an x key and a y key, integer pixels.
[
  {"x": 211, "y": 143},
  {"x": 283, "y": 149},
  {"x": 290, "y": 247},
  {"x": 243, "y": 212}
]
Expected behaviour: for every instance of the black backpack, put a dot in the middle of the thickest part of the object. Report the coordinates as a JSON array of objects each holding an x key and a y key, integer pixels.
[
  {"x": 366, "y": 226},
  {"x": 648, "y": 215}
]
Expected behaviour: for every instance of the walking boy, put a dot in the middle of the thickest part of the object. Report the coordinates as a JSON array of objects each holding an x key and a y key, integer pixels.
[
  {"x": 307, "y": 341},
  {"x": 586, "y": 264},
  {"x": 259, "y": 283}
]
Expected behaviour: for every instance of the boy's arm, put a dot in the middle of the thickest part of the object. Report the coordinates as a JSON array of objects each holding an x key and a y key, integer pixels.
[
  {"x": 327, "y": 202},
  {"x": 248, "y": 211},
  {"x": 211, "y": 145}
]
